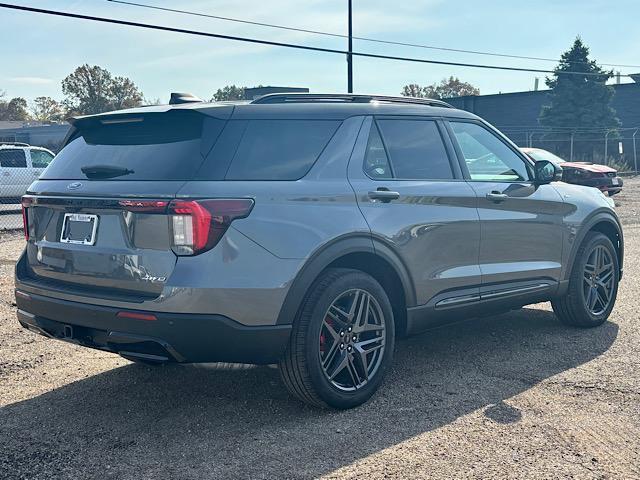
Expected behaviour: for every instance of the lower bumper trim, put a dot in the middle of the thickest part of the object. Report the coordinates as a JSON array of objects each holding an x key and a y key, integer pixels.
[{"x": 173, "y": 337}]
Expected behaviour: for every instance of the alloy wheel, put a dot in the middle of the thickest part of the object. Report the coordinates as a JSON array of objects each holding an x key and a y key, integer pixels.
[
  {"x": 599, "y": 278},
  {"x": 352, "y": 340}
]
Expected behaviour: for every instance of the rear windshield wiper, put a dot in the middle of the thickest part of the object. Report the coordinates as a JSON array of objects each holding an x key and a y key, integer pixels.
[{"x": 105, "y": 171}]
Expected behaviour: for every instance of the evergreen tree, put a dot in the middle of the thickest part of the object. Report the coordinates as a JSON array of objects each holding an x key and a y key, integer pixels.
[{"x": 578, "y": 102}]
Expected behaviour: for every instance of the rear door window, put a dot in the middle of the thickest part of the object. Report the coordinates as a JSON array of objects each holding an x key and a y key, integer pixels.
[
  {"x": 415, "y": 149},
  {"x": 279, "y": 149},
  {"x": 13, "y": 158}
]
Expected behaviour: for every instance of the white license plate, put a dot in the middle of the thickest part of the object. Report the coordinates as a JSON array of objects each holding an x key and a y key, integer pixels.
[
  {"x": 615, "y": 181},
  {"x": 79, "y": 228}
]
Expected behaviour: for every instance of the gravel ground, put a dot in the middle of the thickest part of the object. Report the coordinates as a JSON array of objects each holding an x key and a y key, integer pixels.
[{"x": 510, "y": 396}]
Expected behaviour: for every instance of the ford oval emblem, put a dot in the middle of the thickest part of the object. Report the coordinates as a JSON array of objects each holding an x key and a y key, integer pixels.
[{"x": 74, "y": 186}]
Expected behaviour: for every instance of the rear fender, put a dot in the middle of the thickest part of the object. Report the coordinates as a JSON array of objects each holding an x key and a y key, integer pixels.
[{"x": 326, "y": 255}]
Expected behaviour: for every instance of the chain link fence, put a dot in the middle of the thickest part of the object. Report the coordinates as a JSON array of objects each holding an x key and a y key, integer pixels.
[
  {"x": 20, "y": 164},
  {"x": 25, "y": 151},
  {"x": 618, "y": 148}
]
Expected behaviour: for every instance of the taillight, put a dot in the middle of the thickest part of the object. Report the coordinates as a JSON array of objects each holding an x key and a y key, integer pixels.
[
  {"x": 26, "y": 202},
  {"x": 198, "y": 225},
  {"x": 144, "y": 206}
]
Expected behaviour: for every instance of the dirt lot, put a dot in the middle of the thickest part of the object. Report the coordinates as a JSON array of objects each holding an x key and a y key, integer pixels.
[{"x": 511, "y": 396}]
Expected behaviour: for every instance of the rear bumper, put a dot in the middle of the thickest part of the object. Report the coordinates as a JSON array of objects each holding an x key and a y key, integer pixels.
[{"x": 171, "y": 337}]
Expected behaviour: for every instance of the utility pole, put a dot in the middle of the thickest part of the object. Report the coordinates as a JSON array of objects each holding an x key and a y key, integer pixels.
[
  {"x": 635, "y": 152},
  {"x": 606, "y": 147},
  {"x": 571, "y": 157},
  {"x": 349, "y": 56}
]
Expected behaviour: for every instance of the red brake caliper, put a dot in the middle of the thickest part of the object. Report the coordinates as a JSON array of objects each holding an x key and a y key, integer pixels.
[{"x": 323, "y": 340}]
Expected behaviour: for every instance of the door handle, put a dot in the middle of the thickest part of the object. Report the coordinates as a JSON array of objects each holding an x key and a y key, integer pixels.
[
  {"x": 497, "y": 197},
  {"x": 383, "y": 195}
]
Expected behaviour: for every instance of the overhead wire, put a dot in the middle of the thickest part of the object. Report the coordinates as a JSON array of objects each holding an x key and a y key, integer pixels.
[
  {"x": 284, "y": 44},
  {"x": 366, "y": 39}
]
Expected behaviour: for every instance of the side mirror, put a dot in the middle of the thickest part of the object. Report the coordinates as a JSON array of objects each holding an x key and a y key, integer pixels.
[{"x": 547, "y": 172}]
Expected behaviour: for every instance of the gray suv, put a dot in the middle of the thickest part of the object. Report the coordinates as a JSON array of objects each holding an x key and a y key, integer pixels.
[{"x": 305, "y": 230}]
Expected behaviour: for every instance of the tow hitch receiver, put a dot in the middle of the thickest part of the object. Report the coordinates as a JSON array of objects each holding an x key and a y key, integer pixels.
[{"x": 67, "y": 332}]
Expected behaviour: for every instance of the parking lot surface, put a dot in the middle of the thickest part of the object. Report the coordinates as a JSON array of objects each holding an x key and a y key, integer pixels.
[{"x": 511, "y": 396}]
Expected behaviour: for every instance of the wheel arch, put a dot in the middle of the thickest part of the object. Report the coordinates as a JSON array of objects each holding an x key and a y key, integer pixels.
[
  {"x": 362, "y": 253},
  {"x": 608, "y": 225}
]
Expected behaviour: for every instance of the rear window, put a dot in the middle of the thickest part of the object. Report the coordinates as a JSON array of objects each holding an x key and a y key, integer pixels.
[
  {"x": 279, "y": 149},
  {"x": 152, "y": 147},
  {"x": 13, "y": 158}
]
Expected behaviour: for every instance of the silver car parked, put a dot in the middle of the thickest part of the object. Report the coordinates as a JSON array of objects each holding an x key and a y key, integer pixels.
[{"x": 305, "y": 230}]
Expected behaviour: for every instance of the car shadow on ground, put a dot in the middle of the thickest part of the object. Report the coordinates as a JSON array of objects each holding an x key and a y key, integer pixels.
[{"x": 226, "y": 422}]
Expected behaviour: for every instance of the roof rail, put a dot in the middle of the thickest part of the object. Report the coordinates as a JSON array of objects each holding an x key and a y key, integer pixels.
[
  {"x": 345, "y": 98},
  {"x": 15, "y": 144}
]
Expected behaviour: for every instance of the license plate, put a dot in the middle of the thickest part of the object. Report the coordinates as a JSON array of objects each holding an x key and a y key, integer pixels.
[
  {"x": 79, "y": 228},
  {"x": 615, "y": 181}
]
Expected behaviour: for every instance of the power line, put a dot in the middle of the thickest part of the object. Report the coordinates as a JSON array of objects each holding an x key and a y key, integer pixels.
[
  {"x": 284, "y": 44},
  {"x": 338, "y": 35}
]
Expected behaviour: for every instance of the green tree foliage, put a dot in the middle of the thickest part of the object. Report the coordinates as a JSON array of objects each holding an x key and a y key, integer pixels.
[
  {"x": 229, "y": 92},
  {"x": 454, "y": 87},
  {"x": 124, "y": 93},
  {"x": 578, "y": 101},
  {"x": 92, "y": 89},
  {"x": 14, "y": 109},
  {"x": 413, "y": 90},
  {"x": 446, "y": 88},
  {"x": 46, "y": 109}
]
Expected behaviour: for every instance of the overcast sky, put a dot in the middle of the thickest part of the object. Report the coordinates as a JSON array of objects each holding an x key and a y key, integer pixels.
[{"x": 38, "y": 51}]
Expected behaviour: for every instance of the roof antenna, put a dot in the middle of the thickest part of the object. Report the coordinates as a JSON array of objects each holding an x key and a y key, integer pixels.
[{"x": 177, "y": 98}]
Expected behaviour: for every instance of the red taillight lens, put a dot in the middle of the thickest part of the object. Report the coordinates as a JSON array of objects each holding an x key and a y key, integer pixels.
[
  {"x": 198, "y": 225},
  {"x": 26, "y": 202},
  {"x": 144, "y": 206}
]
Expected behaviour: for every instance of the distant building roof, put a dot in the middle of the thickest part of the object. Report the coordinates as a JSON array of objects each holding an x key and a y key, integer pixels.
[
  {"x": 11, "y": 124},
  {"x": 522, "y": 109}
]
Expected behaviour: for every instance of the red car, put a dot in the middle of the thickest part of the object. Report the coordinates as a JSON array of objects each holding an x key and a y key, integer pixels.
[{"x": 581, "y": 173}]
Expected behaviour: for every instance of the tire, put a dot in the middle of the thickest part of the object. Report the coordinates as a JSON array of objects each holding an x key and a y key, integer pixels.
[
  {"x": 572, "y": 309},
  {"x": 316, "y": 339}
]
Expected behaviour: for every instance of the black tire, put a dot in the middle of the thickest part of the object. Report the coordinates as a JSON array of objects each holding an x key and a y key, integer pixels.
[
  {"x": 572, "y": 309},
  {"x": 301, "y": 367}
]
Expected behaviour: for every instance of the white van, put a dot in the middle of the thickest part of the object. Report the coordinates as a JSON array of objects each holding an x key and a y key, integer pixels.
[{"x": 20, "y": 164}]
